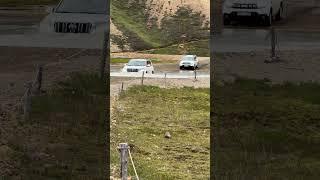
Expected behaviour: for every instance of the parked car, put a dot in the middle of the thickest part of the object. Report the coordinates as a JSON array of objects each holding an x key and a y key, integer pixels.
[
  {"x": 189, "y": 61},
  {"x": 139, "y": 65},
  {"x": 76, "y": 17},
  {"x": 264, "y": 11}
]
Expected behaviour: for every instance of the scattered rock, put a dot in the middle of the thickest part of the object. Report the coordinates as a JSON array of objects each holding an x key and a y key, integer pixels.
[
  {"x": 195, "y": 149},
  {"x": 167, "y": 135}
]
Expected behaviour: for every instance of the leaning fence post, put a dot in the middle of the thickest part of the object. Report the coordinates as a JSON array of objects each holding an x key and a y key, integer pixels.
[
  {"x": 123, "y": 147},
  {"x": 142, "y": 77},
  {"x": 27, "y": 101},
  {"x": 39, "y": 80}
]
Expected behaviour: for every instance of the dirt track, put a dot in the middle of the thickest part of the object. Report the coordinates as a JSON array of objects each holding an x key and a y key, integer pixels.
[{"x": 295, "y": 66}]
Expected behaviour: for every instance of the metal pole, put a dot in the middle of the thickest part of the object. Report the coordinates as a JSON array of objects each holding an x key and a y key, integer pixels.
[{"x": 123, "y": 147}]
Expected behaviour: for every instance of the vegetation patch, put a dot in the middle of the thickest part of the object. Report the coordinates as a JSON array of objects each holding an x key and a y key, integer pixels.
[
  {"x": 267, "y": 131},
  {"x": 144, "y": 114},
  {"x": 199, "y": 48}
]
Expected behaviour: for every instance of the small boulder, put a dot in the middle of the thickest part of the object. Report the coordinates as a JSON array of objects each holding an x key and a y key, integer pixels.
[{"x": 167, "y": 135}]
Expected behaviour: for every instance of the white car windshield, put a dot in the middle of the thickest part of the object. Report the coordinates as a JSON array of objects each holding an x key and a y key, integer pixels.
[
  {"x": 188, "y": 58},
  {"x": 83, "y": 6},
  {"x": 137, "y": 63}
]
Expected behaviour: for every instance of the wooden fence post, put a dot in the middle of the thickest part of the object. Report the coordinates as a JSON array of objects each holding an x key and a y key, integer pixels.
[
  {"x": 165, "y": 80},
  {"x": 142, "y": 77},
  {"x": 123, "y": 147},
  {"x": 273, "y": 43},
  {"x": 39, "y": 80},
  {"x": 27, "y": 101}
]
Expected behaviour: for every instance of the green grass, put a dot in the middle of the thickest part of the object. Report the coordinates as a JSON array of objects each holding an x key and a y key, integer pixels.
[
  {"x": 267, "y": 131},
  {"x": 200, "y": 48},
  {"x": 143, "y": 116},
  {"x": 66, "y": 124},
  {"x": 132, "y": 22},
  {"x": 26, "y": 2}
]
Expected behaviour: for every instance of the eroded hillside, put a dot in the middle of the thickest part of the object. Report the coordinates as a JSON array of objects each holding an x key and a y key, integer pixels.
[{"x": 137, "y": 24}]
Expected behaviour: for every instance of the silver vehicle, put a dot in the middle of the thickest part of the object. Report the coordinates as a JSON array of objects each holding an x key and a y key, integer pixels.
[
  {"x": 265, "y": 11},
  {"x": 139, "y": 65},
  {"x": 189, "y": 61},
  {"x": 76, "y": 17}
]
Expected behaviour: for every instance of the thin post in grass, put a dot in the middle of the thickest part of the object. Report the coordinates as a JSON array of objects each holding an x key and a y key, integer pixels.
[
  {"x": 195, "y": 74},
  {"x": 142, "y": 77},
  {"x": 121, "y": 88},
  {"x": 27, "y": 101},
  {"x": 123, "y": 147},
  {"x": 39, "y": 79},
  {"x": 165, "y": 80},
  {"x": 273, "y": 43}
]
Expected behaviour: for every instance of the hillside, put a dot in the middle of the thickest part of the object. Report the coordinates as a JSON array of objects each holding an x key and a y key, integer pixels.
[{"x": 147, "y": 24}]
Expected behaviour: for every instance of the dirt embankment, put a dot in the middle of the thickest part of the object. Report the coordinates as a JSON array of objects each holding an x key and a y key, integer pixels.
[{"x": 160, "y": 8}]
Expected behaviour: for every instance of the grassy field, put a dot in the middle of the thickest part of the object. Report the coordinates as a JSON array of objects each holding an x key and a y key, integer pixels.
[
  {"x": 26, "y": 2},
  {"x": 145, "y": 113},
  {"x": 200, "y": 48},
  {"x": 65, "y": 136},
  {"x": 267, "y": 131}
]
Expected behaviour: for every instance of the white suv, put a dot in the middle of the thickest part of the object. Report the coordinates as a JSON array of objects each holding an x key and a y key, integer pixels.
[
  {"x": 189, "y": 61},
  {"x": 263, "y": 10},
  {"x": 139, "y": 65},
  {"x": 76, "y": 17}
]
